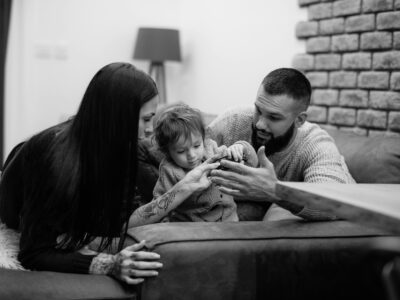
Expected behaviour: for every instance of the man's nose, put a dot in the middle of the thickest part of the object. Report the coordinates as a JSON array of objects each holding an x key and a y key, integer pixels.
[{"x": 262, "y": 124}]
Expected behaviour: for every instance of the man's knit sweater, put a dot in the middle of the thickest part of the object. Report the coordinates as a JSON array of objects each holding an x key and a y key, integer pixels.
[{"x": 311, "y": 157}]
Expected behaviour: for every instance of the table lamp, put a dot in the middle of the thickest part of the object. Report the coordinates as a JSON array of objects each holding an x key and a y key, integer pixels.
[{"x": 158, "y": 45}]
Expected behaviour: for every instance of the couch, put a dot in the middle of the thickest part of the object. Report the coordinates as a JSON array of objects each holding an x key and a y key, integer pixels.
[{"x": 287, "y": 259}]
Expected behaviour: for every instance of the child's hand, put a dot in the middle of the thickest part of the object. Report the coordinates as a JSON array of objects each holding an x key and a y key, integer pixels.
[
  {"x": 222, "y": 150},
  {"x": 235, "y": 152}
]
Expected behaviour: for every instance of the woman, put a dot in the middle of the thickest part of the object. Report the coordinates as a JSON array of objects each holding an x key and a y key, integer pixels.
[{"x": 75, "y": 181}]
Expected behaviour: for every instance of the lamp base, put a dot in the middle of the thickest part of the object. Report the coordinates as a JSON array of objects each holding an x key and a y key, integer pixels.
[{"x": 157, "y": 72}]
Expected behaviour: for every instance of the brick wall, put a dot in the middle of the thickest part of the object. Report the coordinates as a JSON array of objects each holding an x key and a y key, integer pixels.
[{"x": 352, "y": 60}]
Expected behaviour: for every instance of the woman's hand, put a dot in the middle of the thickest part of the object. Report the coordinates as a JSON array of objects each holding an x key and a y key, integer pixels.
[
  {"x": 132, "y": 266},
  {"x": 197, "y": 179}
]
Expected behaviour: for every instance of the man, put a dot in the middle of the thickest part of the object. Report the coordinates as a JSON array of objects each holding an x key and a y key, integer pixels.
[{"x": 289, "y": 148}]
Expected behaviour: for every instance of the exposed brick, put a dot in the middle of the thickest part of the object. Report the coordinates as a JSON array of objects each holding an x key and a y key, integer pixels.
[
  {"x": 371, "y": 118},
  {"x": 395, "y": 81},
  {"x": 318, "y": 79},
  {"x": 327, "y": 61},
  {"x": 346, "y": 42},
  {"x": 308, "y": 2},
  {"x": 386, "y": 60},
  {"x": 384, "y": 100},
  {"x": 388, "y": 20},
  {"x": 396, "y": 40},
  {"x": 343, "y": 79},
  {"x": 317, "y": 114},
  {"x": 373, "y": 80},
  {"x": 306, "y": 29},
  {"x": 320, "y": 11},
  {"x": 331, "y": 26},
  {"x": 318, "y": 44},
  {"x": 394, "y": 121},
  {"x": 325, "y": 97},
  {"x": 357, "y": 61},
  {"x": 355, "y": 130},
  {"x": 374, "y": 133},
  {"x": 346, "y": 7},
  {"x": 342, "y": 116},
  {"x": 353, "y": 98},
  {"x": 360, "y": 23},
  {"x": 303, "y": 62},
  {"x": 377, "y": 5},
  {"x": 376, "y": 40}
]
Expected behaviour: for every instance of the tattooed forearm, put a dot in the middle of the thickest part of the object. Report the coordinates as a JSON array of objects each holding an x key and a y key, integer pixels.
[
  {"x": 166, "y": 199},
  {"x": 157, "y": 207},
  {"x": 148, "y": 210}
]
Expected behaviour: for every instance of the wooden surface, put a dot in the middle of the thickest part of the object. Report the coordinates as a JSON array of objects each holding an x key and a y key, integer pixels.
[{"x": 376, "y": 205}]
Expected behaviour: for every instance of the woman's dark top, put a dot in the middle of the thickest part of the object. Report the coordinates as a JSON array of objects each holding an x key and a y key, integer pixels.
[{"x": 27, "y": 168}]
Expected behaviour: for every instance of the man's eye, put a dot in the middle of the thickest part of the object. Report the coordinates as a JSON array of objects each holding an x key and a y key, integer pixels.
[
  {"x": 196, "y": 146},
  {"x": 147, "y": 119},
  {"x": 273, "y": 118}
]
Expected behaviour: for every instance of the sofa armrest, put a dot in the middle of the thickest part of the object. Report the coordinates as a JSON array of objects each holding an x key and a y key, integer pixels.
[
  {"x": 32, "y": 285},
  {"x": 262, "y": 260}
]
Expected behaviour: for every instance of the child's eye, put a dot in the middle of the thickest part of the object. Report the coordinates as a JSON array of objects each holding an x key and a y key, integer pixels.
[
  {"x": 180, "y": 151},
  {"x": 196, "y": 146}
]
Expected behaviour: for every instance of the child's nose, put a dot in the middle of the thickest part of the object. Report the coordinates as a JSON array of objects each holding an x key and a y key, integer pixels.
[{"x": 190, "y": 154}]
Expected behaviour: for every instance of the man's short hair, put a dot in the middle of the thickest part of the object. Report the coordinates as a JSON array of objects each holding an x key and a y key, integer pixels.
[{"x": 288, "y": 81}]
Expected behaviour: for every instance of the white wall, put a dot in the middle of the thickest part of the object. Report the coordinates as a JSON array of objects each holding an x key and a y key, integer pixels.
[{"x": 56, "y": 46}]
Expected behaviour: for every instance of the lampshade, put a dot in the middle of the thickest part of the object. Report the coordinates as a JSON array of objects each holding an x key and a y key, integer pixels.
[{"x": 157, "y": 45}]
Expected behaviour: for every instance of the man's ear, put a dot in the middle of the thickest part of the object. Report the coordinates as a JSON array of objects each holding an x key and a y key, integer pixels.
[{"x": 300, "y": 119}]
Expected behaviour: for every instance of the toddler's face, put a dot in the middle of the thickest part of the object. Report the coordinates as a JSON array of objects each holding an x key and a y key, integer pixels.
[{"x": 188, "y": 153}]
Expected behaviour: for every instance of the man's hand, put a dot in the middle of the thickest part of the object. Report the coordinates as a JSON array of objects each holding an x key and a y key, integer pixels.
[{"x": 243, "y": 182}]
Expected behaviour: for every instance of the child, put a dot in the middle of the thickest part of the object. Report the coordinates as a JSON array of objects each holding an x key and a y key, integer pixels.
[{"x": 180, "y": 135}]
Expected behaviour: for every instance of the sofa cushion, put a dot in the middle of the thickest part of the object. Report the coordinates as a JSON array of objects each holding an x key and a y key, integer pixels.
[
  {"x": 261, "y": 260},
  {"x": 33, "y": 285},
  {"x": 370, "y": 159}
]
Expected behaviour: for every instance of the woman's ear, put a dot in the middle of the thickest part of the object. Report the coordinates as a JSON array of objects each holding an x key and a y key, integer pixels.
[{"x": 300, "y": 119}]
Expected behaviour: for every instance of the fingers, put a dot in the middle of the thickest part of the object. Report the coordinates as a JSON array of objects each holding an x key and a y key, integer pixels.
[
  {"x": 233, "y": 166},
  {"x": 204, "y": 167},
  {"x": 215, "y": 157},
  {"x": 136, "y": 247},
  {"x": 144, "y": 265},
  {"x": 141, "y": 273},
  {"x": 262, "y": 158},
  {"x": 144, "y": 255},
  {"x": 231, "y": 192},
  {"x": 135, "y": 281},
  {"x": 227, "y": 183}
]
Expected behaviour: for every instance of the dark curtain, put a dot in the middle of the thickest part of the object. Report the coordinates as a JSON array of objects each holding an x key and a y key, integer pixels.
[{"x": 5, "y": 15}]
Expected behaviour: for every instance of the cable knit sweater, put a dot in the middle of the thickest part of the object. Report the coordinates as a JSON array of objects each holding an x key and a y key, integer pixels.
[{"x": 311, "y": 157}]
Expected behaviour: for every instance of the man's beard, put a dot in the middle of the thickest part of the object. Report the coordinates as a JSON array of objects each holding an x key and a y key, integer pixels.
[{"x": 275, "y": 144}]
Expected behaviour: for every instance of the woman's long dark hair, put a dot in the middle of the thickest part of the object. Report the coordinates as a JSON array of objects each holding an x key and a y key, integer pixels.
[{"x": 94, "y": 159}]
